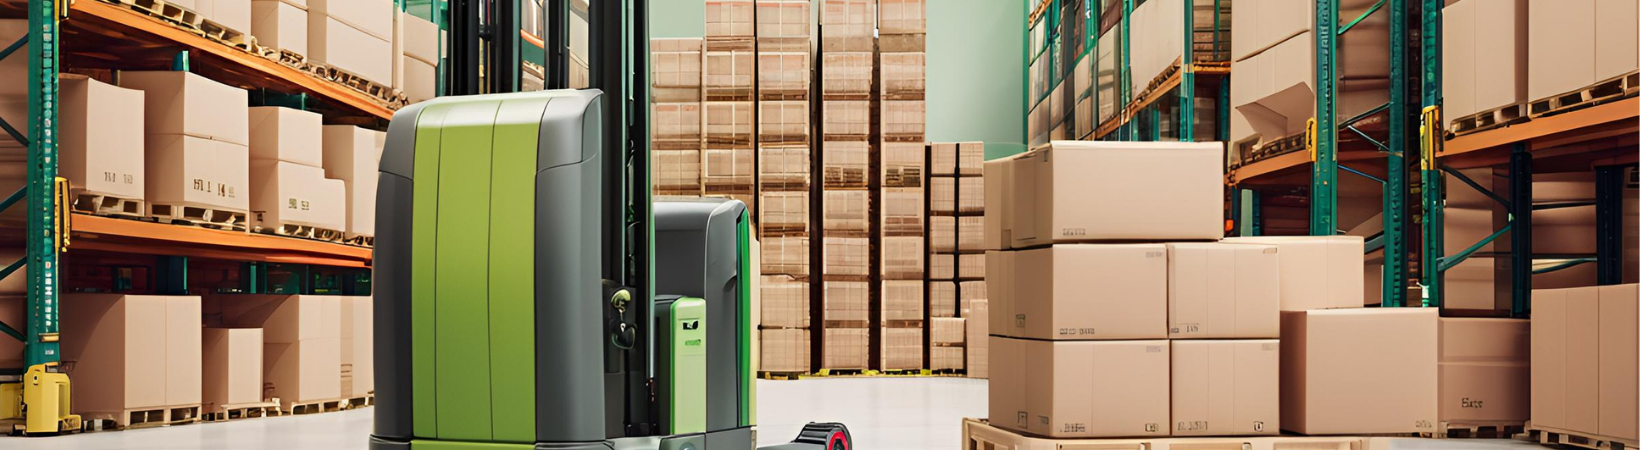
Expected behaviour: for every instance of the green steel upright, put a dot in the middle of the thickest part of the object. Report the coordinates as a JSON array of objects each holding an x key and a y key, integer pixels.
[
  {"x": 1430, "y": 141},
  {"x": 1324, "y": 171},
  {"x": 42, "y": 215},
  {"x": 1187, "y": 74},
  {"x": 1395, "y": 182}
]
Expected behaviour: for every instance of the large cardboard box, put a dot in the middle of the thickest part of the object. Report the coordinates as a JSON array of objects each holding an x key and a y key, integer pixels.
[
  {"x": 181, "y": 103},
  {"x": 421, "y": 40},
  {"x": 730, "y": 19},
  {"x": 1620, "y": 361},
  {"x": 1586, "y": 324},
  {"x": 233, "y": 367},
  {"x": 101, "y": 132},
  {"x": 846, "y": 302},
  {"x": 1485, "y": 371},
  {"x": 1226, "y": 387},
  {"x": 231, "y": 14},
  {"x": 785, "y": 302},
  {"x": 280, "y": 25},
  {"x": 187, "y": 171},
  {"x": 420, "y": 79},
  {"x": 1319, "y": 272},
  {"x": 358, "y": 374},
  {"x": 844, "y": 348},
  {"x": 285, "y": 134},
  {"x": 1616, "y": 38},
  {"x": 1080, "y": 291},
  {"x": 787, "y": 255},
  {"x": 374, "y": 17},
  {"x": 302, "y": 342},
  {"x": 1223, "y": 291},
  {"x": 1046, "y": 198},
  {"x": 846, "y": 75},
  {"x": 290, "y": 194},
  {"x": 128, "y": 352},
  {"x": 352, "y": 155},
  {"x": 785, "y": 350},
  {"x": 901, "y": 301},
  {"x": 350, "y": 49},
  {"x": 1080, "y": 389},
  {"x": 1359, "y": 371},
  {"x": 1485, "y": 47},
  {"x": 1560, "y": 46},
  {"x": 978, "y": 339},
  {"x": 902, "y": 348}
]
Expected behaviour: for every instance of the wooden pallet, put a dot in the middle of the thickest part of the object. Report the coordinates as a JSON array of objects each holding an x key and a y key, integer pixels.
[
  {"x": 107, "y": 205},
  {"x": 1602, "y": 92},
  {"x": 220, "y": 219},
  {"x": 1485, "y": 430},
  {"x": 381, "y": 92},
  {"x": 359, "y": 240},
  {"x": 300, "y": 231},
  {"x": 315, "y": 406},
  {"x": 784, "y": 376},
  {"x": 1489, "y": 119},
  {"x": 226, "y": 413},
  {"x": 359, "y": 402},
  {"x": 1556, "y": 436},
  {"x": 228, "y": 36},
  {"x": 141, "y": 418},
  {"x": 163, "y": 10}
]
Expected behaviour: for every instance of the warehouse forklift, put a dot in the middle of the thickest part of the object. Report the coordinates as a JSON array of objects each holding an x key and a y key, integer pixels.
[{"x": 529, "y": 293}]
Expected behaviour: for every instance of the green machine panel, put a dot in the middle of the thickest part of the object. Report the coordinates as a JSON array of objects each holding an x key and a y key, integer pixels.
[{"x": 681, "y": 367}]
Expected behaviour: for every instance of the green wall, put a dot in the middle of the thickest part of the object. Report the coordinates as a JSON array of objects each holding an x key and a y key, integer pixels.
[{"x": 976, "y": 75}]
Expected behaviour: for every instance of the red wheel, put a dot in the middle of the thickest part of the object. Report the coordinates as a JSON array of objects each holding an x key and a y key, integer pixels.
[{"x": 837, "y": 441}]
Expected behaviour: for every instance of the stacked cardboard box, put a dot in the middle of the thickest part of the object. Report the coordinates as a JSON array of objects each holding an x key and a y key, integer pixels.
[
  {"x": 352, "y": 156},
  {"x": 848, "y": 177},
  {"x": 1583, "y": 362},
  {"x": 288, "y": 189},
  {"x": 415, "y": 57},
  {"x": 280, "y": 25},
  {"x": 1574, "y": 44},
  {"x": 676, "y": 116},
  {"x": 232, "y": 362},
  {"x": 353, "y": 36},
  {"x": 899, "y": 184},
  {"x": 729, "y": 101},
  {"x": 301, "y": 342},
  {"x": 783, "y": 181},
  {"x": 358, "y": 374},
  {"x": 228, "y": 19},
  {"x": 132, "y": 353},
  {"x": 956, "y": 225},
  {"x": 1271, "y": 37},
  {"x": 100, "y": 132},
  {"x": 197, "y": 156}
]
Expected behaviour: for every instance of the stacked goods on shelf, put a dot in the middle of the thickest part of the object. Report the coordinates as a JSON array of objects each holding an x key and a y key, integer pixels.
[
  {"x": 676, "y": 131},
  {"x": 354, "y": 37},
  {"x": 956, "y": 286},
  {"x": 280, "y": 25},
  {"x": 232, "y": 361},
  {"x": 1158, "y": 39},
  {"x": 729, "y": 101},
  {"x": 784, "y": 183},
  {"x": 847, "y": 43},
  {"x": 353, "y": 155},
  {"x": 415, "y": 63},
  {"x": 1076, "y": 320},
  {"x": 1270, "y": 101},
  {"x": 1483, "y": 63},
  {"x": 898, "y": 183},
  {"x": 135, "y": 359},
  {"x": 1583, "y": 364},
  {"x": 1106, "y": 73},
  {"x": 301, "y": 342},
  {"x": 289, "y": 194},
  {"x": 197, "y": 157},
  {"x": 1578, "y": 51},
  {"x": 100, "y": 145}
]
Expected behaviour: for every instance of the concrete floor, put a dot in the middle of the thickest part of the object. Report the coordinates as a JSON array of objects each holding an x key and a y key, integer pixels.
[{"x": 882, "y": 413}]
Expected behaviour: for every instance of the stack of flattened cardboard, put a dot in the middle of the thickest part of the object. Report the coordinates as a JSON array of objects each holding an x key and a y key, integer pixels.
[
  {"x": 675, "y": 145},
  {"x": 783, "y": 181},
  {"x": 729, "y": 100},
  {"x": 956, "y": 286},
  {"x": 846, "y": 199}
]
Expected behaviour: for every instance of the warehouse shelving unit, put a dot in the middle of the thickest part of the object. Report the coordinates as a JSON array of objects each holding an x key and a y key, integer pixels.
[{"x": 1371, "y": 145}]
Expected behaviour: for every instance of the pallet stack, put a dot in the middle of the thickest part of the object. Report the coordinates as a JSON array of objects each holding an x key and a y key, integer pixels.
[
  {"x": 899, "y": 186},
  {"x": 846, "y": 54},
  {"x": 783, "y": 182},
  {"x": 676, "y": 116},
  {"x": 729, "y": 99},
  {"x": 956, "y": 286}
]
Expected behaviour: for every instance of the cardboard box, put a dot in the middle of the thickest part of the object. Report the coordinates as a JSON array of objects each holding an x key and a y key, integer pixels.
[
  {"x": 728, "y": 121},
  {"x": 844, "y": 348},
  {"x": 727, "y": 167},
  {"x": 947, "y": 330},
  {"x": 1585, "y": 324},
  {"x": 1620, "y": 361},
  {"x": 231, "y": 14},
  {"x": 902, "y": 258},
  {"x": 904, "y": 118},
  {"x": 782, "y": 19},
  {"x": 676, "y": 170},
  {"x": 971, "y": 158},
  {"x": 784, "y": 212},
  {"x": 904, "y": 74},
  {"x": 1080, "y": 389},
  {"x": 785, "y": 168},
  {"x": 732, "y": 72},
  {"x": 1359, "y": 371},
  {"x": 971, "y": 266},
  {"x": 902, "y": 16},
  {"x": 1485, "y": 371},
  {"x": 278, "y": 24},
  {"x": 420, "y": 80},
  {"x": 1076, "y": 292},
  {"x": 1616, "y": 38},
  {"x": 846, "y": 301},
  {"x": 302, "y": 371},
  {"x": 1559, "y": 36},
  {"x": 847, "y": 118},
  {"x": 194, "y": 172},
  {"x": 942, "y": 158},
  {"x": 350, "y": 49},
  {"x": 847, "y": 256},
  {"x": 942, "y": 298},
  {"x": 101, "y": 137},
  {"x": 289, "y": 194},
  {"x": 783, "y": 121},
  {"x": 902, "y": 302},
  {"x": 971, "y": 195},
  {"x": 282, "y": 318},
  {"x": 1317, "y": 272},
  {"x": 730, "y": 19},
  {"x": 847, "y": 211},
  {"x": 850, "y": 25},
  {"x": 784, "y": 351},
  {"x": 284, "y": 134},
  {"x": 846, "y": 164},
  {"x": 358, "y": 373},
  {"x": 1185, "y": 175},
  {"x": 942, "y": 194},
  {"x": 677, "y": 124},
  {"x": 784, "y": 73},
  {"x": 902, "y": 348},
  {"x": 232, "y": 359},
  {"x": 181, "y": 103},
  {"x": 901, "y": 214},
  {"x": 1484, "y": 56},
  {"x": 978, "y": 338},
  {"x": 1223, "y": 291},
  {"x": 942, "y": 266},
  {"x": 942, "y": 233},
  {"x": 374, "y": 17},
  {"x": 847, "y": 74},
  {"x": 946, "y": 358},
  {"x": 353, "y": 156},
  {"x": 131, "y": 352},
  {"x": 785, "y": 255},
  {"x": 1226, "y": 387},
  {"x": 971, "y": 233},
  {"x": 785, "y": 302},
  {"x": 421, "y": 40}
]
